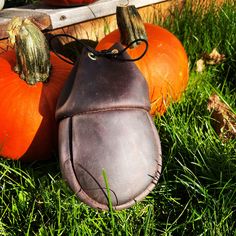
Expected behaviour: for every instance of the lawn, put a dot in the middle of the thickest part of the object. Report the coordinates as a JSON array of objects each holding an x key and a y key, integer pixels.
[{"x": 196, "y": 193}]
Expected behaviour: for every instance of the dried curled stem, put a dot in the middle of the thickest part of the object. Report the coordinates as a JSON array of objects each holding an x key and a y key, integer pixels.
[
  {"x": 32, "y": 51},
  {"x": 130, "y": 24}
]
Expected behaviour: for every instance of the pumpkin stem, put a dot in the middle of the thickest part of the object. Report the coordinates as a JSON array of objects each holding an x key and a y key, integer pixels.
[
  {"x": 32, "y": 51},
  {"x": 130, "y": 24}
]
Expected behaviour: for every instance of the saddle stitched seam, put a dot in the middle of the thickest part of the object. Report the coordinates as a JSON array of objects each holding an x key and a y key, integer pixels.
[
  {"x": 109, "y": 109},
  {"x": 158, "y": 173}
]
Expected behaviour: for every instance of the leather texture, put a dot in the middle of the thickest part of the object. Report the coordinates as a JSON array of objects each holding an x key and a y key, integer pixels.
[{"x": 105, "y": 127}]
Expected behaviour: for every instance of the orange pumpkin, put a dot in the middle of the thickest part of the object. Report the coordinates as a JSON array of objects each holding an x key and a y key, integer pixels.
[
  {"x": 165, "y": 65},
  {"x": 27, "y": 125},
  {"x": 67, "y": 3},
  {"x": 28, "y": 97}
]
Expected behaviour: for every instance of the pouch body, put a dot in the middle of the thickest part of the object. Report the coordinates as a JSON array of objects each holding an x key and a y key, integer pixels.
[{"x": 105, "y": 126}]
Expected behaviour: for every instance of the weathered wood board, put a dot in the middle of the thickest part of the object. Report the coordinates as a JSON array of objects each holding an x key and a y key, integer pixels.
[
  {"x": 92, "y": 27},
  {"x": 54, "y": 18},
  {"x": 97, "y": 29}
]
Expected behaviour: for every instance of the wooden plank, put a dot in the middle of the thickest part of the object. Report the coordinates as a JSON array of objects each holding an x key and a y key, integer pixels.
[
  {"x": 93, "y": 11},
  {"x": 54, "y": 18},
  {"x": 97, "y": 29}
]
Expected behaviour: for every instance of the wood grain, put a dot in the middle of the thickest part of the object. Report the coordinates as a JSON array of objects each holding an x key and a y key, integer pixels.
[
  {"x": 97, "y": 29},
  {"x": 54, "y": 18}
]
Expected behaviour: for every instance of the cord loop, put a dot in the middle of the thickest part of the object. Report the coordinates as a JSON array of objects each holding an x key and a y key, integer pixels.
[{"x": 111, "y": 54}]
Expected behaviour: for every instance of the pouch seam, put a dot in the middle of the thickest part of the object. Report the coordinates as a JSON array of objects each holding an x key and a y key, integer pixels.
[{"x": 104, "y": 110}]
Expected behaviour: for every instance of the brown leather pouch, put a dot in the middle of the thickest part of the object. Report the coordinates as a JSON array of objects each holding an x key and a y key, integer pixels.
[{"x": 105, "y": 127}]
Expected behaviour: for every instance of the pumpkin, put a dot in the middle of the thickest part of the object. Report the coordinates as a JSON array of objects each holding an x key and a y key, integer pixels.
[
  {"x": 164, "y": 66},
  {"x": 28, "y": 129},
  {"x": 67, "y": 3}
]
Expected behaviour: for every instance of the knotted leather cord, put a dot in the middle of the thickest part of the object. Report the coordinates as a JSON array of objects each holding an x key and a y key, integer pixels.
[{"x": 112, "y": 54}]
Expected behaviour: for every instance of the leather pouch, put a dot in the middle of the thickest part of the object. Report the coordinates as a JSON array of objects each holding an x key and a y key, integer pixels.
[{"x": 105, "y": 127}]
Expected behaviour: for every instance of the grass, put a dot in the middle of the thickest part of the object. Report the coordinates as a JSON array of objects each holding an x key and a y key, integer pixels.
[{"x": 196, "y": 194}]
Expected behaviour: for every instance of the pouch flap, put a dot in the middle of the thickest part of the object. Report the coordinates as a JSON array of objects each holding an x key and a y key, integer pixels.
[{"x": 102, "y": 83}]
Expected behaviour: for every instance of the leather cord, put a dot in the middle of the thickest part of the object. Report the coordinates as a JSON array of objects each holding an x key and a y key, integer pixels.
[{"x": 111, "y": 54}]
